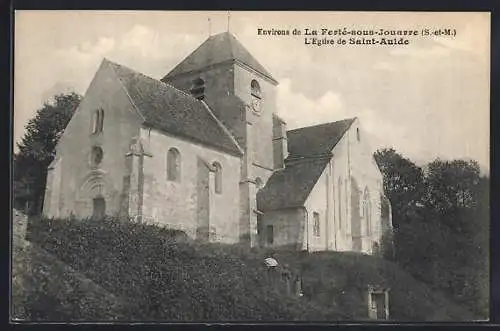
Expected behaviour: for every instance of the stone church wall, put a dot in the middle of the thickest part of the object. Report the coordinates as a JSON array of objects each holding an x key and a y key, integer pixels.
[
  {"x": 261, "y": 146},
  {"x": 288, "y": 228},
  {"x": 317, "y": 202},
  {"x": 175, "y": 204},
  {"x": 121, "y": 123},
  {"x": 368, "y": 177},
  {"x": 342, "y": 223}
]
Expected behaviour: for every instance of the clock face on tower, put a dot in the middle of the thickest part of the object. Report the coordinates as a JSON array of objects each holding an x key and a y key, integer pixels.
[{"x": 256, "y": 105}]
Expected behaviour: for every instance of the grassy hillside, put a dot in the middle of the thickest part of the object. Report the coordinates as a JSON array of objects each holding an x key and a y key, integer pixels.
[
  {"x": 167, "y": 277},
  {"x": 44, "y": 288}
]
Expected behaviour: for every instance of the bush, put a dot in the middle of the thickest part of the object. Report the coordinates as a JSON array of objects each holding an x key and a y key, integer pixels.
[
  {"x": 46, "y": 289},
  {"x": 171, "y": 279},
  {"x": 387, "y": 246},
  {"x": 167, "y": 279}
]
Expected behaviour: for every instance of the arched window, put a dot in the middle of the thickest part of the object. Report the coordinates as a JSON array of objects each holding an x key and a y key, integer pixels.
[
  {"x": 173, "y": 165},
  {"x": 101, "y": 120},
  {"x": 340, "y": 202},
  {"x": 255, "y": 88},
  {"x": 198, "y": 89},
  {"x": 367, "y": 211},
  {"x": 256, "y": 95},
  {"x": 218, "y": 177},
  {"x": 358, "y": 135},
  {"x": 346, "y": 197},
  {"x": 97, "y": 121},
  {"x": 316, "y": 225}
]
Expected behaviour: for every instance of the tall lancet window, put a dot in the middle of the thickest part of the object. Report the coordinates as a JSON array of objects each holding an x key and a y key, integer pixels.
[
  {"x": 97, "y": 121},
  {"x": 218, "y": 177},
  {"x": 198, "y": 89},
  {"x": 367, "y": 211},
  {"x": 173, "y": 165},
  {"x": 101, "y": 120},
  {"x": 340, "y": 202},
  {"x": 256, "y": 96}
]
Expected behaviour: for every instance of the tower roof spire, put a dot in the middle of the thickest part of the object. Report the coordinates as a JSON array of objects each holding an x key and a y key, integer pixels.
[{"x": 219, "y": 48}]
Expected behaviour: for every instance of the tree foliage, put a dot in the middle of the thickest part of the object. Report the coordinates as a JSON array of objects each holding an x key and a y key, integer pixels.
[
  {"x": 403, "y": 183},
  {"x": 441, "y": 220},
  {"x": 37, "y": 147}
]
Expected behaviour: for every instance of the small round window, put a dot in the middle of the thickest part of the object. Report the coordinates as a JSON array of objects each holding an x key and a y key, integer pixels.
[{"x": 96, "y": 156}]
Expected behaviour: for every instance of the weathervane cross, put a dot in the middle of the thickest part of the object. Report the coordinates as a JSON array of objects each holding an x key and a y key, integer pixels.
[{"x": 228, "y": 19}]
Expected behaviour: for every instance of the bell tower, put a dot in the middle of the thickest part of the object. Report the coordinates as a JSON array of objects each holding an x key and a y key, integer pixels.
[{"x": 242, "y": 95}]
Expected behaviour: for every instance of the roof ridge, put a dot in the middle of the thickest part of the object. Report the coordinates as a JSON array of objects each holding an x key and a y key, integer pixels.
[
  {"x": 175, "y": 88},
  {"x": 217, "y": 49},
  {"x": 187, "y": 56},
  {"x": 139, "y": 112},
  {"x": 169, "y": 109},
  {"x": 322, "y": 124},
  {"x": 156, "y": 80},
  {"x": 231, "y": 42}
]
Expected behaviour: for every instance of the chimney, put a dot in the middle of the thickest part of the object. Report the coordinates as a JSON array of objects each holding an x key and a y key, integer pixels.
[{"x": 280, "y": 143}]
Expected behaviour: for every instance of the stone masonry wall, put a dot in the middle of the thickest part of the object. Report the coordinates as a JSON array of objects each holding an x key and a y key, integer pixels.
[
  {"x": 288, "y": 227},
  {"x": 339, "y": 206},
  {"x": 79, "y": 184},
  {"x": 175, "y": 204}
]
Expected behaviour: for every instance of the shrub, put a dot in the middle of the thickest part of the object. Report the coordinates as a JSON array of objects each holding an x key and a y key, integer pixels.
[
  {"x": 171, "y": 279},
  {"x": 167, "y": 278}
]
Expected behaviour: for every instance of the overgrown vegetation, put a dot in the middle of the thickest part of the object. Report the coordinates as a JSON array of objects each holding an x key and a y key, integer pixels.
[
  {"x": 37, "y": 149},
  {"x": 167, "y": 277},
  {"x": 44, "y": 288},
  {"x": 441, "y": 221}
]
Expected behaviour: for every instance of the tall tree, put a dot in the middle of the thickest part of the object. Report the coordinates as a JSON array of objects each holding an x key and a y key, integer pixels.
[
  {"x": 457, "y": 199},
  {"x": 441, "y": 220},
  {"x": 403, "y": 183},
  {"x": 37, "y": 146},
  {"x": 452, "y": 191}
]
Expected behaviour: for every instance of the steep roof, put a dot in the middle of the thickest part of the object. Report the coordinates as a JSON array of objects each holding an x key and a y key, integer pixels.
[
  {"x": 318, "y": 139},
  {"x": 170, "y": 110},
  {"x": 216, "y": 49},
  {"x": 309, "y": 153},
  {"x": 290, "y": 187}
]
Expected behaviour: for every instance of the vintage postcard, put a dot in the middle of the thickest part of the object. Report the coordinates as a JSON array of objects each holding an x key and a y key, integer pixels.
[{"x": 203, "y": 166}]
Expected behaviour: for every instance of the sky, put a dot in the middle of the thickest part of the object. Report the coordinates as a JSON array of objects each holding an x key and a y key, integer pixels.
[{"x": 426, "y": 100}]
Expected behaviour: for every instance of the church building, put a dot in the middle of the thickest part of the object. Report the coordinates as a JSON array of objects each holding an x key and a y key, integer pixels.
[{"x": 203, "y": 151}]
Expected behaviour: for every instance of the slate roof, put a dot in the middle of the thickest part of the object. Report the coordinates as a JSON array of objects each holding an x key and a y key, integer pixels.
[
  {"x": 318, "y": 139},
  {"x": 168, "y": 109},
  {"x": 309, "y": 153},
  {"x": 290, "y": 187},
  {"x": 218, "y": 48}
]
